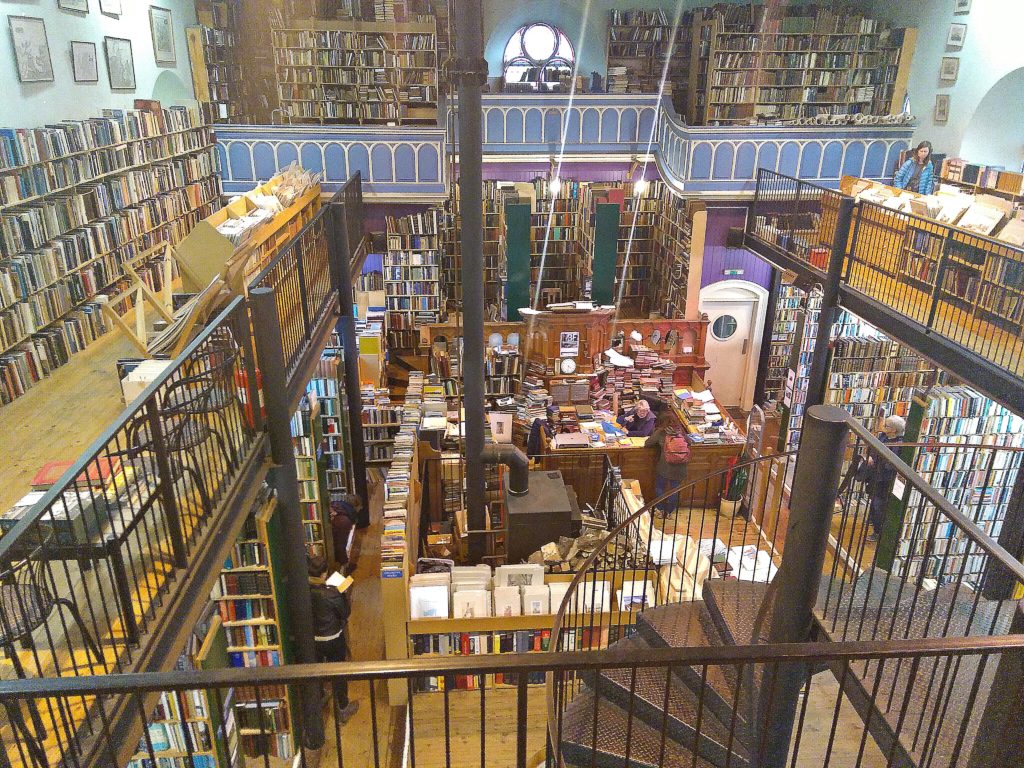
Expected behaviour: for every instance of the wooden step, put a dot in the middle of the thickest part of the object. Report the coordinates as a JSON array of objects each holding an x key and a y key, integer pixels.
[
  {"x": 689, "y": 717},
  {"x": 597, "y": 732}
]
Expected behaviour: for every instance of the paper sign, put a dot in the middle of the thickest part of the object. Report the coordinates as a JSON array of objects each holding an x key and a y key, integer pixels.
[
  {"x": 569, "y": 344},
  {"x": 899, "y": 487}
]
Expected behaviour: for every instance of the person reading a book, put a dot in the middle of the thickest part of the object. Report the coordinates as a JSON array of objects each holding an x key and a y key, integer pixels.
[
  {"x": 673, "y": 453},
  {"x": 917, "y": 174},
  {"x": 331, "y": 610},
  {"x": 344, "y": 514},
  {"x": 641, "y": 422}
]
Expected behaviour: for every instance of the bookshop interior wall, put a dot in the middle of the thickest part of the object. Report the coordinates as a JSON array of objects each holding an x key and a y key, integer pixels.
[{"x": 42, "y": 87}]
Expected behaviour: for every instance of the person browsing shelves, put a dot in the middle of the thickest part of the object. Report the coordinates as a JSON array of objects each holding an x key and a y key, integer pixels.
[
  {"x": 331, "y": 610},
  {"x": 917, "y": 174},
  {"x": 641, "y": 422}
]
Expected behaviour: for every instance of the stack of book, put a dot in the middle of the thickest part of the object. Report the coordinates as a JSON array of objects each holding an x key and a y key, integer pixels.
[{"x": 397, "y": 485}]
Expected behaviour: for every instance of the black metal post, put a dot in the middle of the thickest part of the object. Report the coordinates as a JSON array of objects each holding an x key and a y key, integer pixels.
[
  {"x": 815, "y": 488},
  {"x": 998, "y": 583},
  {"x": 123, "y": 588},
  {"x": 270, "y": 353},
  {"x": 340, "y": 251},
  {"x": 817, "y": 380},
  {"x": 766, "y": 336},
  {"x": 471, "y": 74}
]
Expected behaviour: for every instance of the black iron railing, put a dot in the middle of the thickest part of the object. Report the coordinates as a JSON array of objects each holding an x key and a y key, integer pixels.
[{"x": 947, "y": 282}]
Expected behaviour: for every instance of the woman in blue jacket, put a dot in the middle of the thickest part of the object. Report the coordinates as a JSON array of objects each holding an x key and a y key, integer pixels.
[{"x": 918, "y": 173}]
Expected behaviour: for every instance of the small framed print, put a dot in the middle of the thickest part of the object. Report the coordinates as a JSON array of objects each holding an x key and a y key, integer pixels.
[
  {"x": 83, "y": 62},
  {"x": 110, "y": 7},
  {"x": 120, "y": 64},
  {"x": 942, "y": 108},
  {"x": 957, "y": 35},
  {"x": 950, "y": 69},
  {"x": 82, "y": 6},
  {"x": 31, "y": 49},
  {"x": 163, "y": 35},
  {"x": 961, "y": 6}
]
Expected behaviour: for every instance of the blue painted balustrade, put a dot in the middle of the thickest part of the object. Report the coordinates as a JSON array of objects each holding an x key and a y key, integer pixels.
[{"x": 410, "y": 162}]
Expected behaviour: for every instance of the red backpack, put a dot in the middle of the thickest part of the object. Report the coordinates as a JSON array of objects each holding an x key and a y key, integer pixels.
[{"x": 676, "y": 449}]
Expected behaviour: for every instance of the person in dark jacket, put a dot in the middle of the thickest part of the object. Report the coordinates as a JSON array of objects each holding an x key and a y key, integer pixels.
[
  {"x": 330, "y": 629},
  {"x": 666, "y": 475},
  {"x": 641, "y": 422},
  {"x": 917, "y": 174},
  {"x": 344, "y": 514},
  {"x": 880, "y": 474}
]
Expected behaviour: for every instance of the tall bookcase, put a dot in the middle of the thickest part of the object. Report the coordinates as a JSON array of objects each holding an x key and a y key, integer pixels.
[
  {"x": 976, "y": 481},
  {"x": 249, "y": 598},
  {"x": 79, "y": 200},
  {"x": 307, "y": 437},
  {"x": 678, "y": 255},
  {"x": 638, "y": 42},
  {"x": 795, "y": 62},
  {"x": 554, "y": 239},
  {"x": 328, "y": 386},
  {"x": 412, "y": 276},
  {"x": 381, "y": 422},
  {"x": 217, "y": 73},
  {"x": 364, "y": 72},
  {"x": 493, "y": 247}
]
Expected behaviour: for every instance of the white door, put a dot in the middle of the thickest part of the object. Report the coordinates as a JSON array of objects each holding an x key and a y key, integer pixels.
[{"x": 729, "y": 347}]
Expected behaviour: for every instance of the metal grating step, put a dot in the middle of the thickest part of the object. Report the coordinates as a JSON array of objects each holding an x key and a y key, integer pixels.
[
  {"x": 733, "y": 605},
  {"x": 618, "y": 740},
  {"x": 690, "y": 718},
  {"x": 688, "y": 625}
]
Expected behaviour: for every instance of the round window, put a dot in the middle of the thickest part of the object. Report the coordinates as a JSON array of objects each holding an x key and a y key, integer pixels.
[{"x": 724, "y": 327}]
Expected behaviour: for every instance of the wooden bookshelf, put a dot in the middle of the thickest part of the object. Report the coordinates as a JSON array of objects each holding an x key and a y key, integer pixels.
[
  {"x": 77, "y": 202},
  {"x": 638, "y": 42},
  {"x": 328, "y": 385},
  {"x": 307, "y": 441},
  {"x": 217, "y": 72},
  {"x": 361, "y": 72},
  {"x": 249, "y": 599},
  {"x": 753, "y": 63},
  {"x": 381, "y": 422},
  {"x": 678, "y": 255},
  {"x": 502, "y": 372},
  {"x": 412, "y": 276}
]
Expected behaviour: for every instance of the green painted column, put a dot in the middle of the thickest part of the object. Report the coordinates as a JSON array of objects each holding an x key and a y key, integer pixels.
[
  {"x": 517, "y": 257},
  {"x": 606, "y": 244}
]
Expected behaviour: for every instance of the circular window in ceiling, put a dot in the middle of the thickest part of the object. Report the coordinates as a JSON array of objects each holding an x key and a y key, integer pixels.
[{"x": 724, "y": 327}]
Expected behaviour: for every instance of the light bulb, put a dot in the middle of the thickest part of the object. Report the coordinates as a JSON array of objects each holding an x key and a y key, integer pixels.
[
  {"x": 640, "y": 187},
  {"x": 556, "y": 185}
]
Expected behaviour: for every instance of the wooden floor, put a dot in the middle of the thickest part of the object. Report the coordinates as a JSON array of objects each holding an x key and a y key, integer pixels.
[{"x": 59, "y": 417}]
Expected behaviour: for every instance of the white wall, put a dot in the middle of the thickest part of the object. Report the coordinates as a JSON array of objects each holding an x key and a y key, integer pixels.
[
  {"x": 28, "y": 105},
  {"x": 993, "y": 49}
]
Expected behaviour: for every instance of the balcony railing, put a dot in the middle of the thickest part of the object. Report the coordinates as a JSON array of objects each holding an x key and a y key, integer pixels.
[{"x": 913, "y": 277}]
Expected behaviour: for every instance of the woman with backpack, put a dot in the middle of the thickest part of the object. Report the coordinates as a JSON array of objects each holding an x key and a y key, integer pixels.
[{"x": 674, "y": 451}]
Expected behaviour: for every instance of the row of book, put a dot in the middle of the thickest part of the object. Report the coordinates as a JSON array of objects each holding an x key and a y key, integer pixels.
[{"x": 398, "y": 479}]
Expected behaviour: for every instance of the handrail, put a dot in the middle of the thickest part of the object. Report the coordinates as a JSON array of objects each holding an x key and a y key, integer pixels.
[
  {"x": 613, "y": 658},
  {"x": 81, "y": 464}
]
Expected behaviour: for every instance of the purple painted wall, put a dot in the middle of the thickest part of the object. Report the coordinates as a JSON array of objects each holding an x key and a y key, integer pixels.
[
  {"x": 719, "y": 257},
  {"x": 374, "y": 213}
]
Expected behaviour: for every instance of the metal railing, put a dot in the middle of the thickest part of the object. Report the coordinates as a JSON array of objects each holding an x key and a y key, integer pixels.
[
  {"x": 90, "y": 569},
  {"x": 941, "y": 281},
  {"x": 930, "y": 574}
]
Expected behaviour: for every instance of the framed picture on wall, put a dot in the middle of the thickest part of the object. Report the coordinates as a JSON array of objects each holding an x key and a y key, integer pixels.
[
  {"x": 950, "y": 69},
  {"x": 942, "y": 108},
  {"x": 163, "y": 35},
  {"x": 82, "y": 6},
  {"x": 957, "y": 35},
  {"x": 110, "y": 7},
  {"x": 31, "y": 50},
  {"x": 120, "y": 64},
  {"x": 961, "y": 6},
  {"x": 83, "y": 62}
]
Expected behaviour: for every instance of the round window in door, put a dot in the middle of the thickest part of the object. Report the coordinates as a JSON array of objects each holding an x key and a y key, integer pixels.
[{"x": 724, "y": 327}]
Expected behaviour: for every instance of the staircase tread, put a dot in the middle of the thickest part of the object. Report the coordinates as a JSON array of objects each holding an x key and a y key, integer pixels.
[
  {"x": 684, "y": 705},
  {"x": 679, "y": 625},
  {"x": 734, "y": 606},
  {"x": 613, "y": 724}
]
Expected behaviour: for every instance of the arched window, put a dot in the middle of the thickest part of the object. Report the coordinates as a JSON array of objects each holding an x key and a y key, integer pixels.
[{"x": 537, "y": 58}]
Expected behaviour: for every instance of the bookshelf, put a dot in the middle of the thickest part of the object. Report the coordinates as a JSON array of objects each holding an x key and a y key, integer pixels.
[
  {"x": 753, "y": 63},
  {"x": 381, "y": 422},
  {"x": 307, "y": 441},
  {"x": 248, "y": 596},
  {"x": 637, "y": 44},
  {"x": 975, "y": 480},
  {"x": 554, "y": 239},
  {"x": 78, "y": 200},
  {"x": 495, "y": 271},
  {"x": 678, "y": 255},
  {"x": 213, "y": 49},
  {"x": 194, "y": 729},
  {"x": 412, "y": 277},
  {"x": 328, "y": 386},
  {"x": 502, "y": 371},
  {"x": 361, "y": 72}
]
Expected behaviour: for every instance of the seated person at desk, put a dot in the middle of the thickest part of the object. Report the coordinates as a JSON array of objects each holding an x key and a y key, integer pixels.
[{"x": 641, "y": 422}]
